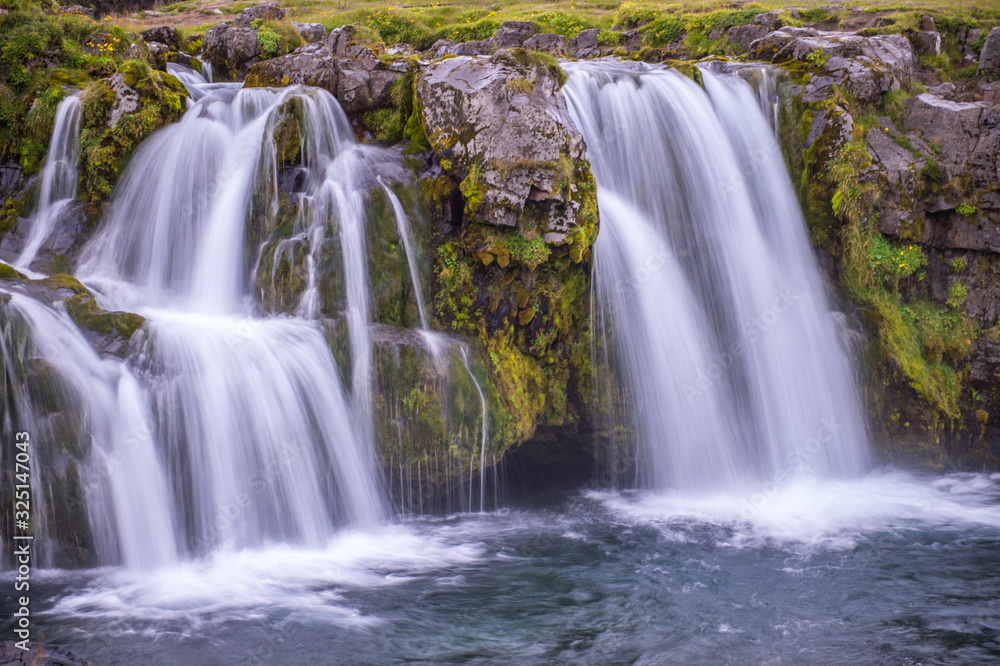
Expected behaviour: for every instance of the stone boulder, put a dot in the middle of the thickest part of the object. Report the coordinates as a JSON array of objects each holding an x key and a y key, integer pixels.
[
  {"x": 339, "y": 39},
  {"x": 269, "y": 11},
  {"x": 989, "y": 57},
  {"x": 311, "y": 33},
  {"x": 768, "y": 20},
  {"x": 967, "y": 133},
  {"x": 866, "y": 66},
  {"x": 231, "y": 49},
  {"x": 350, "y": 72},
  {"x": 163, "y": 34},
  {"x": 963, "y": 138},
  {"x": 512, "y": 34},
  {"x": 502, "y": 125},
  {"x": 926, "y": 42},
  {"x": 126, "y": 98},
  {"x": 547, "y": 42},
  {"x": 745, "y": 35},
  {"x": 475, "y": 48},
  {"x": 585, "y": 45}
]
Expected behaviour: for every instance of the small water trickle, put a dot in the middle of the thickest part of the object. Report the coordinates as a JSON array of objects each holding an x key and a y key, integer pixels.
[{"x": 58, "y": 181}]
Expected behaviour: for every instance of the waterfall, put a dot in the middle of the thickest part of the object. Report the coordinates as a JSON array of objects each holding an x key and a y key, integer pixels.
[
  {"x": 721, "y": 328},
  {"x": 58, "y": 179},
  {"x": 221, "y": 428},
  {"x": 403, "y": 224},
  {"x": 124, "y": 485}
]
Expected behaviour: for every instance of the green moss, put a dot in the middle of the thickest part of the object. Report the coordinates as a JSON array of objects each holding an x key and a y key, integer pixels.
[
  {"x": 817, "y": 58},
  {"x": 957, "y": 294},
  {"x": 385, "y": 124},
  {"x": 269, "y": 41},
  {"x": 922, "y": 341},
  {"x": 62, "y": 281},
  {"x": 958, "y": 264},
  {"x": 966, "y": 210},
  {"x": 407, "y": 102},
  {"x": 105, "y": 149},
  {"x": 932, "y": 172},
  {"x": 893, "y": 105},
  {"x": 278, "y": 38},
  {"x": 471, "y": 187},
  {"x": 41, "y": 52},
  {"x": 88, "y": 315},
  {"x": 8, "y": 272}
]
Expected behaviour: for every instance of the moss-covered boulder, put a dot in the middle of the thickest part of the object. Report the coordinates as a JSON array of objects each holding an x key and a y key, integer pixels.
[
  {"x": 108, "y": 332},
  {"x": 866, "y": 66},
  {"x": 502, "y": 127},
  {"x": 258, "y": 33},
  {"x": 515, "y": 209},
  {"x": 118, "y": 114}
]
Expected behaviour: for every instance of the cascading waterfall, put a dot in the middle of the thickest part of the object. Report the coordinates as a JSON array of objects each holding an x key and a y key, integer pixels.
[
  {"x": 243, "y": 418},
  {"x": 124, "y": 486},
  {"x": 58, "y": 179},
  {"x": 721, "y": 328}
]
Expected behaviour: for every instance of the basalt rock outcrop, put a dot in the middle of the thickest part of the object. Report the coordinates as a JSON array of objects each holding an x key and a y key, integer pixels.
[
  {"x": 234, "y": 46},
  {"x": 514, "y": 202},
  {"x": 475, "y": 114},
  {"x": 989, "y": 59},
  {"x": 352, "y": 72},
  {"x": 866, "y": 66},
  {"x": 901, "y": 189}
]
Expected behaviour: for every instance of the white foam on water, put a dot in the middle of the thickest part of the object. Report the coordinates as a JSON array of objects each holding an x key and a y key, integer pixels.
[{"x": 834, "y": 514}]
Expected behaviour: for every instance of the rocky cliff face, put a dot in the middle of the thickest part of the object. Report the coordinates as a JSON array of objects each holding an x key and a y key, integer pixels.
[
  {"x": 515, "y": 205},
  {"x": 899, "y": 176}
]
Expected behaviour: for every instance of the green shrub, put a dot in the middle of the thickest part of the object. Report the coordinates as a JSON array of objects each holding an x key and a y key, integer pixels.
[
  {"x": 567, "y": 25},
  {"x": 269, "y": 41},
  {"x": 932, "y": 172},
  {"x": 664, "y": 30},
  {"x": 634, "y": 14},
  {"x": 817, "y": 58},
  {"x": 966, "y": 210},
  {"x": 956, "y": 295},
  {"x": 891, "y": 261}
]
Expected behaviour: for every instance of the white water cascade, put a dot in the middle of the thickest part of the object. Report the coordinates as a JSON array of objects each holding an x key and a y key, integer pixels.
[
  {"x": 247, "y": 436},
  {"x": 124, "y": 484},
  {"x": 721, "y": 328},
  {"x": 58, "y": 179}
]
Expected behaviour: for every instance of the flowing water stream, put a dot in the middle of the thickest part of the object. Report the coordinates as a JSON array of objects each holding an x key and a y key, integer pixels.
[
  {"x": 234, "y": 495},
  {"x": 58, "y": 180}
]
